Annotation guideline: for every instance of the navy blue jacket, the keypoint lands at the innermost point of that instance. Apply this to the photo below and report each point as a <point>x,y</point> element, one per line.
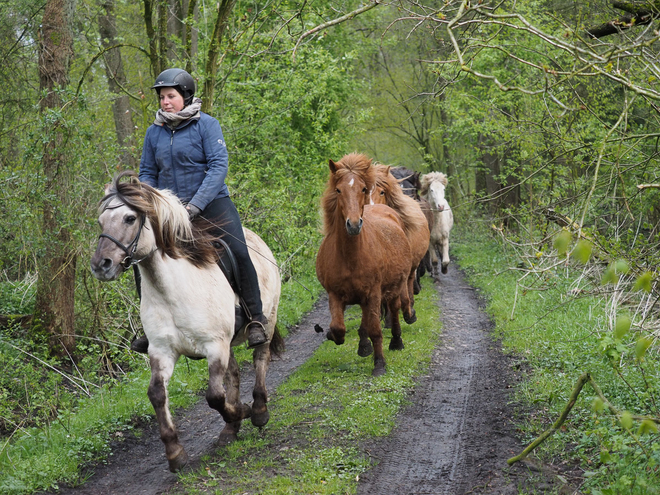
<point>191,160</point>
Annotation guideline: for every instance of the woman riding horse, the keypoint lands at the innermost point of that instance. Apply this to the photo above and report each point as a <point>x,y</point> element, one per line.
<point>184,151</point>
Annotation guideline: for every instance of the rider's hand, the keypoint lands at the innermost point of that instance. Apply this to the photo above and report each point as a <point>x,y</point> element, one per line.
<point>193,211</point>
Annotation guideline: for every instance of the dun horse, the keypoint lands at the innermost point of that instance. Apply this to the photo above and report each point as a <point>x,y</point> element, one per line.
<point>388,191</point>
<point>433,189</point>
<point>364,258</point>
<point>188,307</point>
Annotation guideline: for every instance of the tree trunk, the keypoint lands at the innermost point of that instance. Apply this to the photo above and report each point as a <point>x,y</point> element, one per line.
<point>190,35</point>
<point>54,309</point>
<point>175,22</point>
<point>224,10</point>
<point>114,70</point>
<point>151,36</point>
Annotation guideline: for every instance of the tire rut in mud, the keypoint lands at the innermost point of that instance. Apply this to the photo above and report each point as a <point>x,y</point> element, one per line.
<point>458,433</point>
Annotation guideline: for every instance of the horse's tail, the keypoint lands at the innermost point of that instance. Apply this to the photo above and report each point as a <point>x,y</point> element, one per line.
<point>277,343</point>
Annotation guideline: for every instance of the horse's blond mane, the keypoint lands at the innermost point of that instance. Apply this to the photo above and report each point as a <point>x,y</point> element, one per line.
<point>395,198</point>
<point>427,179</point>
<point>175,235</point>
<point>353,163</point>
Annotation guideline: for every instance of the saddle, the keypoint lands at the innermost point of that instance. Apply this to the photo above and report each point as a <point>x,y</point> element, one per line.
<point>229,266</point>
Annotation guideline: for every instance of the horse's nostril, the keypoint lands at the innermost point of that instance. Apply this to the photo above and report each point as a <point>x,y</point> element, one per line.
<point>107,263</point>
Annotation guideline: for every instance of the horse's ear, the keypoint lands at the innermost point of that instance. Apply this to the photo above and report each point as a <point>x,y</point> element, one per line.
<point>333,166</point>
<point>444,180</point>
<point>106,188</point>
<point>389,167</point>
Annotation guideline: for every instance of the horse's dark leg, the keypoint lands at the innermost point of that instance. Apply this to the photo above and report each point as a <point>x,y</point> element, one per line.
<point>371,322</point>
<point>337,331</point>
<point>161,372</point>
<point>261,359</point>
<point>406,304</point>
<point>216,397</point>
<point>232,377</point>
<point>417,286</point>
<point>396,344</point>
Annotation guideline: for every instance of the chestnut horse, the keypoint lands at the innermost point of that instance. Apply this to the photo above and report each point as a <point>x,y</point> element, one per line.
<point>433,188</point>
<point>364,258</point>
<point>388,191</point>
<point>188,307</point>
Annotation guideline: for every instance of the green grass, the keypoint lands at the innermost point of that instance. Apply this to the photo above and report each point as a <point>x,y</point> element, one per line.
<point>557,333</point>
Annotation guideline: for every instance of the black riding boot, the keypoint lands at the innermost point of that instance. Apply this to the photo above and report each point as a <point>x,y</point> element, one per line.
<point>257,331</point>
<point>140,345</point>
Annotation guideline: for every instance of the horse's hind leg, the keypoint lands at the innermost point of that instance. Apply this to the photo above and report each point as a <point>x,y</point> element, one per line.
<point>216,396</point>
<point>261,359</point>
<point>161,372</point>
<point>406,305</point>
<point>232,377</point>
<point>396,344</point>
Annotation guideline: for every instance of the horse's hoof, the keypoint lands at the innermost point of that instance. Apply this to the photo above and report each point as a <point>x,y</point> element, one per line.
<point>412,318</point>
<point>178,462</point>
<point>396,344</point>
<point>444,268</point>
<point>365,349</point>
<point>378,371</point>
<point>260,419</point>
<point>226,437</point>
<point>331,336</point>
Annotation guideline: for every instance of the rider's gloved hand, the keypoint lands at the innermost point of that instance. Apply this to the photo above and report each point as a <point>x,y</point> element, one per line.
<point>193,211</point>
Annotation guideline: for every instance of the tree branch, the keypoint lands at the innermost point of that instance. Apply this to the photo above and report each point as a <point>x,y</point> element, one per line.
<point>334,22</point>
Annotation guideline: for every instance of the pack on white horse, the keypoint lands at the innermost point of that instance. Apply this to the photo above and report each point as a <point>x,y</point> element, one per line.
<point>433,189</point>
<point>188,307</point>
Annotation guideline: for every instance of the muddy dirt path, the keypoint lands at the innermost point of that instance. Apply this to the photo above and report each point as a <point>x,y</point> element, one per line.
<point>454,438</point>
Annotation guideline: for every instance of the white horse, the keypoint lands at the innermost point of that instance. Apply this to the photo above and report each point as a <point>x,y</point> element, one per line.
<point>433,189</point>
<point>188,307</point>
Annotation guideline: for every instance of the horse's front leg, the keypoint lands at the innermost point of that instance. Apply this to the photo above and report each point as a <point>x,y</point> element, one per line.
<point>232,377</point>
<point>371,323</point>
<point>445,253</point>
<point>394,305</point>
<point>261,359</point>
<point>364,347</point>
<point>162,368</point>
<point>230,408</point>
<point>337,331</point>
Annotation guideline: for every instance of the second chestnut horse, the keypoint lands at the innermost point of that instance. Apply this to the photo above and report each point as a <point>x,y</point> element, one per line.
<point>364,258</point>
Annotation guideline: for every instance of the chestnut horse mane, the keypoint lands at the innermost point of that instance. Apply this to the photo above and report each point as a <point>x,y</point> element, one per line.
<point>175,235</point>
<point>353,163</point>
<point>407,208</point>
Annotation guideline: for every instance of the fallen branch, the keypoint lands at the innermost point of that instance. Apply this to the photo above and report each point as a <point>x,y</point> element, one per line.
<point>648,186</point>
<point>581,382</point>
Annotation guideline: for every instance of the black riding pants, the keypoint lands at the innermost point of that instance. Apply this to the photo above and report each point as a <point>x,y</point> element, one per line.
<point>226,224</point>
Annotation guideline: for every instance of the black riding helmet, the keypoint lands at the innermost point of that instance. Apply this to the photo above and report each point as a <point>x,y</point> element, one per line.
<point>178,79</point>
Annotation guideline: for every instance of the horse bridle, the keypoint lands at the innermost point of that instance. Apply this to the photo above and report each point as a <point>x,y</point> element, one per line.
<point>129,260</point>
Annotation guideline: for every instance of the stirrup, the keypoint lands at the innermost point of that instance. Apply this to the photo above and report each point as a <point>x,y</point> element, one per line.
<point>256,334</point>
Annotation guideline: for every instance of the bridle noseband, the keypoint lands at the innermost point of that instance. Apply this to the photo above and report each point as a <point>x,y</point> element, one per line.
<point>129,260</point>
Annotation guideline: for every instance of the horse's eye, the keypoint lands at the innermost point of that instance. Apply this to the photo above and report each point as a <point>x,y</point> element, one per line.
<point>382,193</point>
<point>338,191</point>
<point>364,190</point>
<point>130,220</point>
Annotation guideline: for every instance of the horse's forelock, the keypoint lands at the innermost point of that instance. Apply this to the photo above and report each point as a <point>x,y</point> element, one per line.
<point>358,164</point>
